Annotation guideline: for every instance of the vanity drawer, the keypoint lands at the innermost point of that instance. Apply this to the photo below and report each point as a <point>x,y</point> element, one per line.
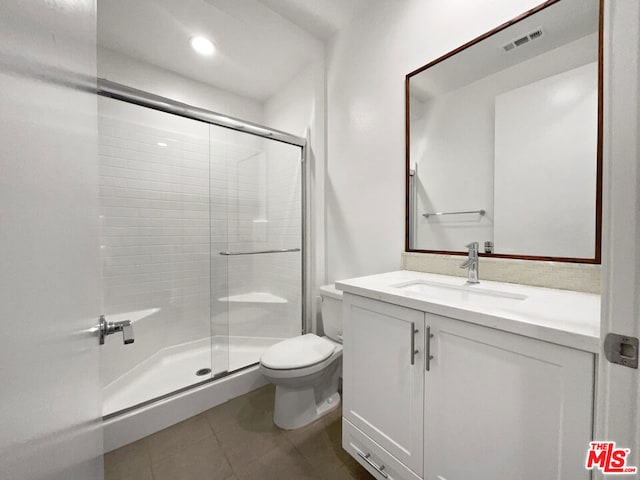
<point>381,464</point>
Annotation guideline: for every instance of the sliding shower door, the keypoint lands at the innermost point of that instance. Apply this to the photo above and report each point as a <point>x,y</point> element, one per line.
<point>256,247</point>
<point>154,196</point>
<point>201,242</point>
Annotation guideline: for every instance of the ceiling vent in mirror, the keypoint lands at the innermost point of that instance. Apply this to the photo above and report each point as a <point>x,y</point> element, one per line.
<point>518,42</point>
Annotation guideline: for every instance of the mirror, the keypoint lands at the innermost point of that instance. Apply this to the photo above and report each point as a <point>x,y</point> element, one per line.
<point>504,140</point>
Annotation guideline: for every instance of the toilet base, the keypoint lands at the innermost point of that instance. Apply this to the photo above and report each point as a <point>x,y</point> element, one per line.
<point>299,402</point>
<point>295,408</point>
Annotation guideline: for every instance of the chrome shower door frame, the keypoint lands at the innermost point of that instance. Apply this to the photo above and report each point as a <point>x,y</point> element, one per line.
<point>109,89</point>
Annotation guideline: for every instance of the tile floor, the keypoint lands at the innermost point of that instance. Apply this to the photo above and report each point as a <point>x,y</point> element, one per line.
<point>238,441</point>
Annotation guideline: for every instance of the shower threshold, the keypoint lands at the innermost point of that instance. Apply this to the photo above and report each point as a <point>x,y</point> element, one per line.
<point>175,368</point>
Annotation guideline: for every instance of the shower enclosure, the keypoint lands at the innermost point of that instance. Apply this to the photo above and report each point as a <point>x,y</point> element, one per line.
<point>201,240</point>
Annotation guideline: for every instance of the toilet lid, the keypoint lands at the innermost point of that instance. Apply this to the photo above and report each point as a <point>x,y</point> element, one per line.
<point>297,352</point>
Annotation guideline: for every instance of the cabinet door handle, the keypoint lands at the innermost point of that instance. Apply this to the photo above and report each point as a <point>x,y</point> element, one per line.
<point>370,462</point>
<point>427,349</point>
<point>413,343</point>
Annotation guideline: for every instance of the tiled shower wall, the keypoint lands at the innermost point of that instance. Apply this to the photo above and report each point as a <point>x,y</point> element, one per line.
<point>168,212</point>
<point>154,229</point>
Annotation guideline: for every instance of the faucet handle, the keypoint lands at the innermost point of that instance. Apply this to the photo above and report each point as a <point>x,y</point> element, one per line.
<point>109,328</point>
<point>473,246</point>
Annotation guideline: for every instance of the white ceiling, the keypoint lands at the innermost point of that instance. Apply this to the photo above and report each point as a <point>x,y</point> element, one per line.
<point>321,18</point>
<point>562,23</point>
<point>261,44</point>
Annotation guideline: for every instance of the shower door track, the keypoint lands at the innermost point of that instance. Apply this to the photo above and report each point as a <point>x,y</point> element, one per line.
<point>107,88</point>
<point>117,91</point>
<point>159,398</point>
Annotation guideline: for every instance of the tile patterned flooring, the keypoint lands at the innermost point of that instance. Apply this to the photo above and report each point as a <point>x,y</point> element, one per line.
<point>238,441</point>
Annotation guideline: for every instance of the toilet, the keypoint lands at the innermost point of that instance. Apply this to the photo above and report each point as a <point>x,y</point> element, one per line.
<point>306,370</point>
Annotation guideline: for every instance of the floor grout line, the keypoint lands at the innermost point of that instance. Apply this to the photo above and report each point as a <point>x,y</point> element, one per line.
<point>222,449</point>
<point>250,417</point>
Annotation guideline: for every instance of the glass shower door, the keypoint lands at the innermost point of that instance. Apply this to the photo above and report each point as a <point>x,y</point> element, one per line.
<point>201,241</point>
<point>257,193</point>
<point>154,198</point>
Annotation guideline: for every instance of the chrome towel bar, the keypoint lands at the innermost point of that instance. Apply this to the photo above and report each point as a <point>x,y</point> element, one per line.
<point>427,215</point>
<point>259,252</point>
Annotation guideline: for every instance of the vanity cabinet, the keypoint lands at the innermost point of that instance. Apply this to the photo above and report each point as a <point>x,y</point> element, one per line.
<point>383,379</point>
<point>504,406</point>
<point>488,405</point>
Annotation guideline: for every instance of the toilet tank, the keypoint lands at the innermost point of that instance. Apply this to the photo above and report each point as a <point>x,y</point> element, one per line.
<point>331,312</point>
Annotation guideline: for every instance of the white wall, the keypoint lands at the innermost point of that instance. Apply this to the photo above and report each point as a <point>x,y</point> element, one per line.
<point>546,136</point>
<point>299,108</point>
<point>366,66</point>
<point>135,73</point>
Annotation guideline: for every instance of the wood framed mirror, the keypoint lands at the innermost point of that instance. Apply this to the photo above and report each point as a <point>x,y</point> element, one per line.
<point>504,140</point>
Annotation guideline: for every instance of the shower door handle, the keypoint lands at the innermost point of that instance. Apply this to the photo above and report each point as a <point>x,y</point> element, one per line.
<point>109,328</point>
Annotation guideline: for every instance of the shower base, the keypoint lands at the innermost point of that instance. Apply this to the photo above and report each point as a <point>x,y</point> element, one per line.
<point>175,368</point>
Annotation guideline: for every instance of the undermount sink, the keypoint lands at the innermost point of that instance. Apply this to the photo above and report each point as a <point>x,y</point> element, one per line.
<point>462,291</point>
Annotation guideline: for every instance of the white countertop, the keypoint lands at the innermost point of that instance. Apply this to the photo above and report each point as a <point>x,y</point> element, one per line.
<point>563,317</point>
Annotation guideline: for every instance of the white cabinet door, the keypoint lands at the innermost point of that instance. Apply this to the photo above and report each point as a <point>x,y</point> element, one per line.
<point>383,388</point>
<point>503,406</point>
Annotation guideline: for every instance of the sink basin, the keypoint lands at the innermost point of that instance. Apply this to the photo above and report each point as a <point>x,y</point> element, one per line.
<point>462,292</point>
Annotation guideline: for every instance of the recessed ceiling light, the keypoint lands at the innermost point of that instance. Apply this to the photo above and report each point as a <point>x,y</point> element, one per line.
<point>202,45</point>
<point>162,144</point>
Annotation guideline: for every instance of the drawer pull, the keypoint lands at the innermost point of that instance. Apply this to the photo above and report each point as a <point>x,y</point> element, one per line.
<point>370,462</point>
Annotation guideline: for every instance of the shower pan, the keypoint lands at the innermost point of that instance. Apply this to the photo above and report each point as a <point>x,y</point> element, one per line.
<point>201,240</point>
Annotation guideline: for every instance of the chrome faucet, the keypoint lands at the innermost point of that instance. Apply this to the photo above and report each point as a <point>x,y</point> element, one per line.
<point>109,328</point>
<point>472,263</point>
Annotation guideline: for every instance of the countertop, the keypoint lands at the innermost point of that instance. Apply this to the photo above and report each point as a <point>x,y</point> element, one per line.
<point>562,317</point>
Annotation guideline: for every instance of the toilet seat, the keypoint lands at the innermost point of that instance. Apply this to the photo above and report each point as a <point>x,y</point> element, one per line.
<point>298,352</point>
<point>297,374</point>
<point>306,370</point>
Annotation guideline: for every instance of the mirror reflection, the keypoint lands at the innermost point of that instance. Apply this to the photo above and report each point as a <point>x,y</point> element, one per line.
<point>503,140</point>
